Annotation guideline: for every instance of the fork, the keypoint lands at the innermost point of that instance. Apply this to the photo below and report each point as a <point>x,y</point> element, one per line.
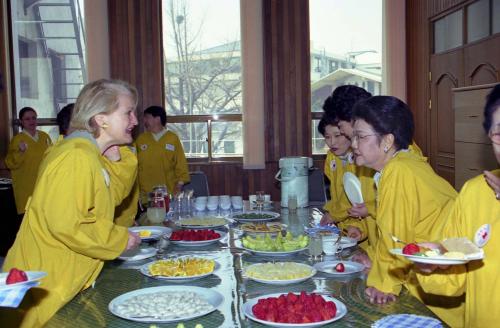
<point>397,240</point>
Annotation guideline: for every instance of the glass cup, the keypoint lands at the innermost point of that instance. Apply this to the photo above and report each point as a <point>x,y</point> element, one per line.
<point>156,208</point>
<point>259,200</point>
<point>292,203</point>
<point>315,246</point>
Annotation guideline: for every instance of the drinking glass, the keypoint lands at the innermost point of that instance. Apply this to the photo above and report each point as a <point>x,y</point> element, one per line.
<point>156,208</point>
<point>315,246</point>
<point>259,200</point>
<point>292,203</point>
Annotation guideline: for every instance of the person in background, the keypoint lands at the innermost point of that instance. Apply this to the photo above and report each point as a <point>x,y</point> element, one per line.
<point>475,215</point>
<point>160,154</point>
<point>63,118</point>
<point>413,201</point>
<point>357,219</point>
<point>126,212</point>
<point>24,156</point>
<point>68,229</point>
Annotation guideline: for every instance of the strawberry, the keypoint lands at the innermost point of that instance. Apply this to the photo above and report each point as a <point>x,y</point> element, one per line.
<point>411,249</point>
<point>15,276</point>
<point>340,267</point>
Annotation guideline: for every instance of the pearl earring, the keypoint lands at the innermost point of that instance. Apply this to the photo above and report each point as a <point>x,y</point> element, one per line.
<point>386,149</point>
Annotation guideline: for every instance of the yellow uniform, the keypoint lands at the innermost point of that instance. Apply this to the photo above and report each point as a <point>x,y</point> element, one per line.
<point>161,162</point>
<point>127,210</point>
<point>24,166</point>
<point>475,215</point>
<point>335,167</point>
<point>68,228</point>
<point>413,204</point>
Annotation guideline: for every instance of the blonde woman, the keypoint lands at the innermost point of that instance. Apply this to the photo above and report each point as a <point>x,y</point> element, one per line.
<point>24,156</point>
<point>68,228</point>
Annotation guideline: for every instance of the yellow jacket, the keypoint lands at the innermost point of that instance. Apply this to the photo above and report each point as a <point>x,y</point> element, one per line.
<point>24,166</point>
<point>127,210</point>
<point>335,167</point>
<point>161,162</point>
<point>68,228</point>
<point>475,207</point>
<point>413,204</point>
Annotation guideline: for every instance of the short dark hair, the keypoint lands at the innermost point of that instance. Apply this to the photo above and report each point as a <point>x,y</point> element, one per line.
<point>63,118</point>
<point>156,111</point>
<point>24,110</point>
<point>492,104</point>
<point>326,120</point>
<point>343,99</point>
<point>386,115</point>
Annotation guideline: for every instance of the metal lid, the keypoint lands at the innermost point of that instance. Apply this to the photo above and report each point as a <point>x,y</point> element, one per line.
<point>295,161</point>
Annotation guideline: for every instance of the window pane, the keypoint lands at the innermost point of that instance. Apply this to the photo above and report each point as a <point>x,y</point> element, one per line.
<point>478,20</point>
<point>352,56</point>
<point>202,62</point>
<point>227,139</point>
<point>51,130</point>
<point>49,54</point>
<point>496,16</point>
<point>448,32</point>
<point>193,137</point>
<point>319,145</point>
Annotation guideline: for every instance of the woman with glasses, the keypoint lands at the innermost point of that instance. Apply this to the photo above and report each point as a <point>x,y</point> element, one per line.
<point>413,201</point>
<point>475,215</point>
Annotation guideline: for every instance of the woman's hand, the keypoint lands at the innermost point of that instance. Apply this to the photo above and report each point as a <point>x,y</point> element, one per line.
<point>23,146</point>
<point>354,233</point>
<point>362,258</point>
<point>133,241</point>
<point>113,153</point>
<point>375,296</point>
<point>494,182</point>
<point>326,219</point>
<point>358,211</point>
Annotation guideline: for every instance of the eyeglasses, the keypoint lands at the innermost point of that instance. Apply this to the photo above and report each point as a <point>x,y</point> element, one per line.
<point>359,138</point>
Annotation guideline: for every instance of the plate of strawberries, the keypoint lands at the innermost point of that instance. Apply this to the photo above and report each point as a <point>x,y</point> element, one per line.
<point>15,278</point>
<point>294,310</point>
<point>193,237</point>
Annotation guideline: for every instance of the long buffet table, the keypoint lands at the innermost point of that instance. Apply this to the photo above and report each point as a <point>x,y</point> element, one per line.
<point>90,307</point>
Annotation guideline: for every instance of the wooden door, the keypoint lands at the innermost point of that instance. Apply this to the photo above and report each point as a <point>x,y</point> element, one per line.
<point>446,74</point>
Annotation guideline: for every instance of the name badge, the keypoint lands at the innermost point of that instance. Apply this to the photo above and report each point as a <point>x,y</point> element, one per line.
<point>143,147</point>
<point>333,165</point>
<point>170,147</point>
<point>482,235</point>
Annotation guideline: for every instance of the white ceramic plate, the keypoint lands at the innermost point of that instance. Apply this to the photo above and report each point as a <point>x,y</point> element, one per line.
<point>137,254</point>
<point>145,271</point>
<point>200,242</point>
<point>347,242</point>
<point>239,244</point>
<point>352,187</point>
<point>213,297</point>
<point>32,276</point>
<point>202,226</point>
<point>247,310</point>
<point>241,216</point>
<point>281,282</point>
<point>156,231</point>
<point>329,267</point>
<point>441,260</point>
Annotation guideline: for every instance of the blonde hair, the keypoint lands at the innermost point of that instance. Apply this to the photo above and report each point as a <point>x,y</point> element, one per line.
<point>98,97</point>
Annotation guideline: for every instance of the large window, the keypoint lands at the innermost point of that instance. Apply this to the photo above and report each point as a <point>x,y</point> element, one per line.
<point>48,56</point>
<point>346,48</point>
<point>202,76</point>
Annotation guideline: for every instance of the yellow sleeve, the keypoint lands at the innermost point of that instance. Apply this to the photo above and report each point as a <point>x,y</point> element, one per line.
<point>123,174</point>
<point>79,225</point>
<point>181,166</point>
<point>15,157</point>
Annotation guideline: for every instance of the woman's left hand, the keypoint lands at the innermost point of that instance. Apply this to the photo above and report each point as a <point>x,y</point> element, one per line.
<point>375,296</point>
<point>358,211</point>
<point>113,153</point>
<point>494,183</point>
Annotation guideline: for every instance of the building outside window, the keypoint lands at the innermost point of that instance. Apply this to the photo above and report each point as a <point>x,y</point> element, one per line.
<point>347,44</point>
<point>202,76</point>
<point>48,56</point>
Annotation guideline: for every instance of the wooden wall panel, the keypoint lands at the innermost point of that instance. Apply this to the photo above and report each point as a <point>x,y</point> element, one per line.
<point>438,6</point>
<point>482,62</point>
<point>135,48</point>
<point>5,109</point>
